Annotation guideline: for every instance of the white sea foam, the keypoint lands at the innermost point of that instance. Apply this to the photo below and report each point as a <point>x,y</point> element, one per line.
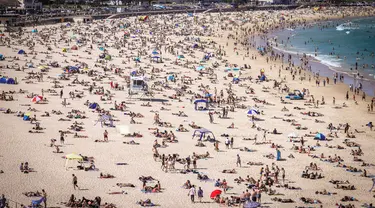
<point>346,26</point>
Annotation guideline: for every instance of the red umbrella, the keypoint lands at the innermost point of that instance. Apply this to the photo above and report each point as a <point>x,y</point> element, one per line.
<point>215,193</point>
<point>37,98</point>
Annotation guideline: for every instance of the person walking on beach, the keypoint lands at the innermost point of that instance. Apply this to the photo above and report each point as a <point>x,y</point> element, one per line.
<point>62,137</point>
<point>373,184</point>
<point>238,160</point>
<point>75,182</point>
<point>61,94</point>
<point>283,175</point>
<point>192,193</point>
<point>105,134</point>
<point>231,142</point>
<point>44,194</point>
<point>211,117</point>
<point>200,194</point>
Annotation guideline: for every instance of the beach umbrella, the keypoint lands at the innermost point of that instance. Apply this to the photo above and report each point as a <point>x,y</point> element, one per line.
<point>101,48</point>
<point>21,52</point>
<point>200,68</point>
<point>292,135</point>
<point>215,193</point>
<point>155,52</point>
<point>156,57</point>
<point>36,99</point>
<point>108,57</point>
<point>123,129</point>
<point>1,56</point>
<point>251,205</point>
<point>236,69</point>
<point>252,112</point>
<point>74,47</point>
<point>180,56</point>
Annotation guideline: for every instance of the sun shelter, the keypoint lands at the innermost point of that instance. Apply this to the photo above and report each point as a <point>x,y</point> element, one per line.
<point>106,120</point>
<point>108,57</point>
<point>252,112</point>
<point>200,68</point>
<point>21,52</point>
<point>93,105</point>
<point>196,103</point>
<point>3,80</point>
<point>71,157</point>
<point>2,57</point>
<point>74,47</point>
<point>64,50</point>
<point>34,30</point>
<point>320,136</point>
<point>137,84</point>
<point>11,81</point>
<point>202,133</point>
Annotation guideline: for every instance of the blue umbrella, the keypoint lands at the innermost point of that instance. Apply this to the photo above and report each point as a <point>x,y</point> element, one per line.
<point>156,57</point>
<point>101,48</point>
<point>21,52</point>
<point>180,56</point>
<point>236,69</point>
<point>155,52</point>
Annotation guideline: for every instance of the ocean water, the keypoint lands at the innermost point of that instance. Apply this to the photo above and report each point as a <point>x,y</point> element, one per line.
<point>345,46</point>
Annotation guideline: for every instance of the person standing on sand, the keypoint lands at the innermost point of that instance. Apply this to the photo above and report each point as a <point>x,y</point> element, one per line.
<point>75,182</point>
<point>373,184</point>
<point>62,139</point>
<point>200,194</point>
<point>61,94</point>
<point>238,160</point>
<point>192,193</point>
<point>44,194</point>
<point>347,95</point>
<point>105,136</point>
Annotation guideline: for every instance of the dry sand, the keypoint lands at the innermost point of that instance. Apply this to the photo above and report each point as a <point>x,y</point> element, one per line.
<point>17,145</point>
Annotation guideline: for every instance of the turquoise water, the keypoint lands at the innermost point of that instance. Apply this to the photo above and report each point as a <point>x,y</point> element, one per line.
<point>337,44</point>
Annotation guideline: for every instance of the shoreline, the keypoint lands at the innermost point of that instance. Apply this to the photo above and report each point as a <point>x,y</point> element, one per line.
<point>323,69</point>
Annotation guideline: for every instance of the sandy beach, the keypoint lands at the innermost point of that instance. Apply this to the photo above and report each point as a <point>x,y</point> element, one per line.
<point>160,80</point>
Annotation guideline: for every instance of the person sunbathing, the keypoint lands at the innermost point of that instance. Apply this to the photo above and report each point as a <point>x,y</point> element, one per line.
<point>146,104</point>
<point>202,177</point>
<point>325,192</point>
<point>132,142</point>
<point>343,187</point>
<point>133,135</point>
<point>32,194</point>
<point>106,175</point>
<point>282,200</point>
<point>79,136</point>
<point>255,163</point>
<point>181,128</point>
<point>232,171</point>
<point>239,180</point>
<point>310,201</point>
<point>145,203</point>
<point>122,185</point>
<point>194,126</point>
<point>348,198</point>
<point>231,126</point>
<point>35,132</point>
<point>245,149</point>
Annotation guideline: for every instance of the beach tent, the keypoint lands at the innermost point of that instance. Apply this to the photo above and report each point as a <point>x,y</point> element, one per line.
<point>236,69</point>
<point>36,99</point>
<point>195,45</point>
<point>180,56</point>
<point>196,102</point>
<point>3,80</point>
<point>64,50</point>
<point>21,52</point>
<point>320,136</point>
<point>11,81</point>
<point>108,57</point>
<point>101,48</point>
<point>137,59</point>
<point>34,30</point>
<point>72,156</point>
<point>2,57</point>
<point>155,52</point>
<point>106,120</point>
<point>215,193</point>
<point>203,132</point>
<point>74,47</point>
<point>26,116</point>
<point>93,105</point>
<point>252,112</point>
<point>278,155</point>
